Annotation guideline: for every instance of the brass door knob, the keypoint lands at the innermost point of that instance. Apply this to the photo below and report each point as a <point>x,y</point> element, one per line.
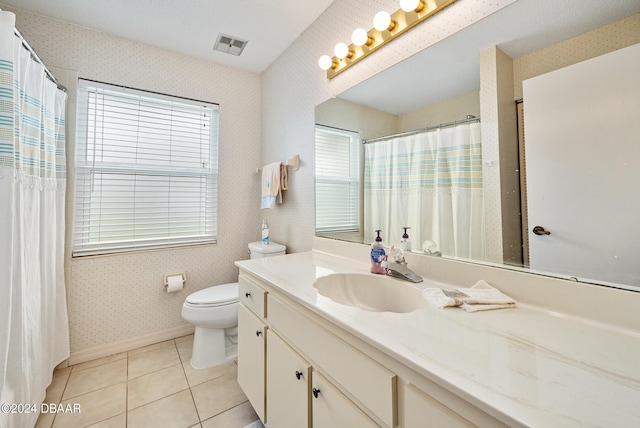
<point>539,230</point>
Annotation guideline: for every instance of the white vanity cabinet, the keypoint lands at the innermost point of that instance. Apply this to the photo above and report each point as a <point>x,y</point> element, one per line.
<point>299,397</point>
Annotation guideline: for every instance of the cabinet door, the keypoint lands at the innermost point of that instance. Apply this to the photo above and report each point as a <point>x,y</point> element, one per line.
<point>251,358</point>
<point>331,409</point>
<point>422,411</point>
<point>288,385</point>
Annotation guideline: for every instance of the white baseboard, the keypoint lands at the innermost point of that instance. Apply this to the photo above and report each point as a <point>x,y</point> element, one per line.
<point>130,344</point>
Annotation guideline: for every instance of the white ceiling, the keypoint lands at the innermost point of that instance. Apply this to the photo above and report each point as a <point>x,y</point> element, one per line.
<point>451,67</point>
<point>191,27</point>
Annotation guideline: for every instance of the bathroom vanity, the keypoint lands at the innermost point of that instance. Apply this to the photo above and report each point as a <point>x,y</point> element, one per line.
<point>306,360</point>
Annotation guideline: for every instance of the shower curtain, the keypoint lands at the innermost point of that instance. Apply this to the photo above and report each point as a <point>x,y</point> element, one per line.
<point>432,183</point>
<point>34,333</point>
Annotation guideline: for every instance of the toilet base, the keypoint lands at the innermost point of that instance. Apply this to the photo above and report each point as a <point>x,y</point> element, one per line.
<point>211,348</point>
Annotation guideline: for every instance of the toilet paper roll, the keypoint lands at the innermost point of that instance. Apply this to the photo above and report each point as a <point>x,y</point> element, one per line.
<point>174,283</point>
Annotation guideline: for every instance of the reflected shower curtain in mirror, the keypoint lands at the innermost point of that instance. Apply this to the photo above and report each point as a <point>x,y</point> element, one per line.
<point>34,332</point>
<point>432,183</point>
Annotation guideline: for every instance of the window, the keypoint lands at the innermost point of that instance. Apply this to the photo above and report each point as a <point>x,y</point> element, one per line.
<point>337,180</point>
<point>146,170</point>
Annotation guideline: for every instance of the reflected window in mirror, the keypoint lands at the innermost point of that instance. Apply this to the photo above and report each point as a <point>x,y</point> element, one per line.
<point>337,177</point>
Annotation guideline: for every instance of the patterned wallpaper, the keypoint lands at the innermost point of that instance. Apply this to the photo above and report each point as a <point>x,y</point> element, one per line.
<point>617,35</point>
<point>114,299</point>
<point>264,118</point>
<point>118,298</point>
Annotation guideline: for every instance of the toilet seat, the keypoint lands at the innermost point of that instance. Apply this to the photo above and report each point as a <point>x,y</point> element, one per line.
<point>219,295</point>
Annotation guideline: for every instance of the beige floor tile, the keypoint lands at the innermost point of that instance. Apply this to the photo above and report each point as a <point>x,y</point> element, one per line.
<point>94,378</point>
<point>95,407</point>
<point>119,421</point>
<point>58,383</point>
<point>185,349</point>
<point>152,347</point>
<point>45,420</point>
<point>153,360</point>
<point>176,410</point>
<point>154,386</point>
<point>99,361</point>
<point>198,376</point>
<point>239,416</point>
<point>217,395</point>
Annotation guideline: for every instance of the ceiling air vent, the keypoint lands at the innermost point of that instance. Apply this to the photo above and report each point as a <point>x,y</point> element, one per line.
<point>230,44</point>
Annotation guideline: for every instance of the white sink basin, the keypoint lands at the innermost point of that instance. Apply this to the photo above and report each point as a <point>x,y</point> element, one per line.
<point>371,292</point>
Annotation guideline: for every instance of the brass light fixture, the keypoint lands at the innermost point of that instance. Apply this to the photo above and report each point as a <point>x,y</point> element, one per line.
<point>386,28</point>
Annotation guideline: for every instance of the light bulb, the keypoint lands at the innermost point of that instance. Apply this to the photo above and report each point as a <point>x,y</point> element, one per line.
<point>360,37</point>
<point>382,21</point>
<point>411,5</point>
<point>341,50</point>
<point>325,62</point>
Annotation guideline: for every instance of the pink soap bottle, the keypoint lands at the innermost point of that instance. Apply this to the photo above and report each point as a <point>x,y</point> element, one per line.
<point>377,255</point>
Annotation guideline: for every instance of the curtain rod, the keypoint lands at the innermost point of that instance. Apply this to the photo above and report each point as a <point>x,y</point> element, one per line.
<point>470,118</point>
<point>35,56</point>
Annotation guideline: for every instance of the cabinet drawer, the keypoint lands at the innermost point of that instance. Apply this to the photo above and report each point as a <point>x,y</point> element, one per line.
<point>252,296</point>
<point>370,383</point>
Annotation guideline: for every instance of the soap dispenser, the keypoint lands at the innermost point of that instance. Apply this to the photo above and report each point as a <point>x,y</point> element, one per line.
<point>378,255</point>
<point>405,244</point>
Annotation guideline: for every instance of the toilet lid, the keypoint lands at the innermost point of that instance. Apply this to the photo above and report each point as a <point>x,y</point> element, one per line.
<point>216,295</point>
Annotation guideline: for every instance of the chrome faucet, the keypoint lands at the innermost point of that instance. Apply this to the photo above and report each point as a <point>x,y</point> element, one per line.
<point>400,270</point>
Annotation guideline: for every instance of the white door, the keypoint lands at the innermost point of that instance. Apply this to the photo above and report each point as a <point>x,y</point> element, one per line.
<point>582,145</point>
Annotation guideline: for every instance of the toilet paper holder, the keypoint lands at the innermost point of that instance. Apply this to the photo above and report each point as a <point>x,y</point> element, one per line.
<point>182,275</point>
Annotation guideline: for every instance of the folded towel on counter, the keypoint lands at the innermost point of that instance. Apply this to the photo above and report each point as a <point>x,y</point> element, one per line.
<point>480,297</point>
<point>271,185</point>
<point>440,298</point>
<point>484,294</point>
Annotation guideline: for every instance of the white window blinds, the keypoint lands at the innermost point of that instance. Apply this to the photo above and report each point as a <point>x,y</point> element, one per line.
<point>337,180</point>
<point>146,170</point>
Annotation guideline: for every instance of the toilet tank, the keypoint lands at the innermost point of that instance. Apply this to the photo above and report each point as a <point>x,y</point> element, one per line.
<point>259,250</point>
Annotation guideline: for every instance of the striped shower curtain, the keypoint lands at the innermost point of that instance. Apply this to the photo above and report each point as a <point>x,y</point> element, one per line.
<point>34,333</point>
<point>432,183</point>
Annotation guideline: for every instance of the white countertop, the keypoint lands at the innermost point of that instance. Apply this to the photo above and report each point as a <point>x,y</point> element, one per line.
<point>524,365</point>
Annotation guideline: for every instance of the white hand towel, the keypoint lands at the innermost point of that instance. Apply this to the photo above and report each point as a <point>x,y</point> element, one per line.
<point>270,185</point>
<point>438,298</point>
<point>480,297</point>
<point>476,308</point>
<point>484,294</point>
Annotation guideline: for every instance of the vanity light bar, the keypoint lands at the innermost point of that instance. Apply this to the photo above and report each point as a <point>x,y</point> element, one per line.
<point>400,23</point>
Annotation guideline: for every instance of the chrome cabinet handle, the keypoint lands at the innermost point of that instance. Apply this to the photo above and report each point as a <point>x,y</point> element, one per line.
<point>539,230</point>
<point>316,392</point>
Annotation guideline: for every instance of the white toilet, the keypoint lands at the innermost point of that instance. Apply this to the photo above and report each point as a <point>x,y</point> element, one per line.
<point>214,312</point>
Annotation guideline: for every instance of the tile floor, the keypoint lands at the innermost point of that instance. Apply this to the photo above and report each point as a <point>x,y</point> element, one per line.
<point>154,386</point>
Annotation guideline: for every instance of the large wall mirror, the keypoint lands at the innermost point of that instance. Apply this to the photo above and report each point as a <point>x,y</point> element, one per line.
<point>483,83</point>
